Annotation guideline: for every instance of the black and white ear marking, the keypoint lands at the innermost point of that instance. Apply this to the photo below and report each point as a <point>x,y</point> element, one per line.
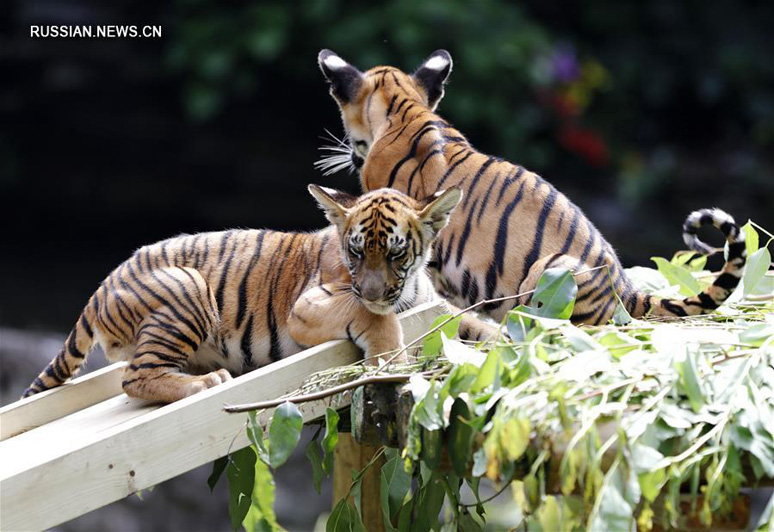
<point>334,202</point>
<point>345,79</point>
<point>432,74</point>
<point>439,207</point>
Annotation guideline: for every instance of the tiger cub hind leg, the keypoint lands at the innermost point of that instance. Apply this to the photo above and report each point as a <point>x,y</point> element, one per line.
<point>332,312</point>
<point>148,378</point>
<point>182,315</point>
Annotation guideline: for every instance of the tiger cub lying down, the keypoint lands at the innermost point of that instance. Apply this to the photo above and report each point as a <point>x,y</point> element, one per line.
<point>189,312</point>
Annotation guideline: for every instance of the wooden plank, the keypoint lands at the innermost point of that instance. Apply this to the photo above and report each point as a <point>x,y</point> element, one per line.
<point>103,453</point>
<point>58,402</point>
<point>351,455</point>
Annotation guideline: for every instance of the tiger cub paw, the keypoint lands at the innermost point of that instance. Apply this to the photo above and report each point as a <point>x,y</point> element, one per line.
<point>477,330</point>
<point>373,355</point>
<point>207,381</point>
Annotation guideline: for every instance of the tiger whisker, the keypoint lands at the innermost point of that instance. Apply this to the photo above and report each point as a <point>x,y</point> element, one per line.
<point>339,156</point>
<point>340,141</point>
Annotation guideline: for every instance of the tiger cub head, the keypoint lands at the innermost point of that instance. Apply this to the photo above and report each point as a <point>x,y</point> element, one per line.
<point>367,99</point>
<point>386,238</point>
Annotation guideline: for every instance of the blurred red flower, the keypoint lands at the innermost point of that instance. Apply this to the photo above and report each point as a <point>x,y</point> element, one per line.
<point>585,143</point>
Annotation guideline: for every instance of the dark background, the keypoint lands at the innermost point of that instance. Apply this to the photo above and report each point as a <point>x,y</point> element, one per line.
<point>639,111</point>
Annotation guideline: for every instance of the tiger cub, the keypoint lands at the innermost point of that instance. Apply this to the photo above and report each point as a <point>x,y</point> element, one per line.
<point>512,224</point>
<point>189,312</point>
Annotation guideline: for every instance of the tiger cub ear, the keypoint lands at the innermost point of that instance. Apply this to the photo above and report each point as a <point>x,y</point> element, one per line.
<point>335,203</point>
<point>432,75</point>
<point>439,207</point>
<point>345,79</point>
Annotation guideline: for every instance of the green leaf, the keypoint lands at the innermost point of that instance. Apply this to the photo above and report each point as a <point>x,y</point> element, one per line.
<point>218,467</point>
<point>432,446</point>
<point>754,442</point>
<point>284,433</point>
<point>750,238</point>
<point>689,379</point>
<point>474,484</point>
<point>432,344</point>
<point>522,371</point>
<point>314,454</point>
<point>458,353</point>
<point>395,484</point>
<point>428,411</point>
<point>648,280</point>
<point>489,374</point>
<point>518,325</point>
<point>460,379</point>
<point>404,518</point>
<point>615,513</point>
<point>542,322</point>
<point>460,436</point>
<point>467,523</point>
<point>621,316</point>
<point>429,502</point>
<point>549,514</point>
<point>674,416</point>
<point>645,458</point>
<point>331,438</point>
<point>555,293</point>
<point>515,437</point>
<point>255,435</point>
<point>356,489</point>
<point>693,261</point>
<point>241,477</point>
<point>579,339</point>
<point>757,334</point>
<point>651,483</point>
<point>757,265</point>
<point>479,463</point>
<point>260,517</point>
<point>678,275</point>
<point>618,343</point>
<point>344,518</point>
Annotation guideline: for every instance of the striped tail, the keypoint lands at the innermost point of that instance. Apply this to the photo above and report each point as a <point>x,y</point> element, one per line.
<point>72,356</point>
<point>728,279</point>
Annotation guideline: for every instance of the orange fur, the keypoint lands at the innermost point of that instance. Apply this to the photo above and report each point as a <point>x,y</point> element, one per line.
<point>189,312</point>
<point>512,224</point>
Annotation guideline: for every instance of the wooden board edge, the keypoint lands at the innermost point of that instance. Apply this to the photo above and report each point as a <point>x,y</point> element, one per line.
<point>56,403</point>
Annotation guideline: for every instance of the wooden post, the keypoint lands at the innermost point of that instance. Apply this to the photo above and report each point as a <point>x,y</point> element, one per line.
<point>351,455</point>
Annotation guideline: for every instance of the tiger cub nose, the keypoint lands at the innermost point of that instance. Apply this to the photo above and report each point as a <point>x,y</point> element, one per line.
<point>372,291</point>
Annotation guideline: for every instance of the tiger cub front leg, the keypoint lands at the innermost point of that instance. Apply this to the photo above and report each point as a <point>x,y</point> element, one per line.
<point>332,312</point>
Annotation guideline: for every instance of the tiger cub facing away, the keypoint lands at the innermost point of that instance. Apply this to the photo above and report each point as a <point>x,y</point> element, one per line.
<point>189,312</point>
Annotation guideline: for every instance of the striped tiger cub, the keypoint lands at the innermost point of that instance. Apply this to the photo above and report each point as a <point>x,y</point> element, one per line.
<point>512,224</point>
<point>189,312</point>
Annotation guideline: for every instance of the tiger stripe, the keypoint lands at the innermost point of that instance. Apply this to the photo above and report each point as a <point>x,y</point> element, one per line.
<point>522,223</point>
<point>189,311</point>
